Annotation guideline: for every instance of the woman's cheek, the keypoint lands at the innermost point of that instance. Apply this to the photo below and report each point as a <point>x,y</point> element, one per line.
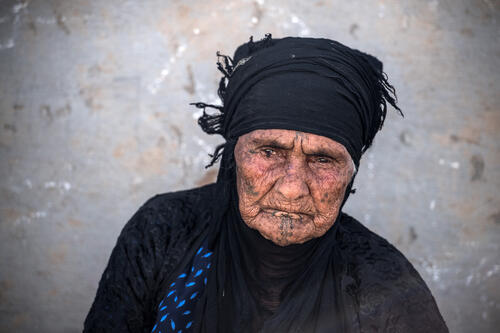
<point>252,180</point>
<point>262,169</point>
<point>329,188</point>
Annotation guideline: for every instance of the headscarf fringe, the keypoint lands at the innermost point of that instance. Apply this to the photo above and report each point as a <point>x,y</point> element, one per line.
<point>387,94</point>
<point>210,123</point>
<point>261,44</point>
<point>226,66</point>
<point>216,155</point>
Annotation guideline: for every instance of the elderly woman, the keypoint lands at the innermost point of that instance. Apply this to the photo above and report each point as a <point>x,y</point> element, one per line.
<point>267,248</point>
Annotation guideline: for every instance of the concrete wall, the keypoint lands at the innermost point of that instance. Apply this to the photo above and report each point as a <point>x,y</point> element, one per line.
<point>94,119</point>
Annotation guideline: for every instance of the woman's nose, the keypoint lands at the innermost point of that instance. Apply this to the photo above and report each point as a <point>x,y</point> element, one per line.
<point>293,184</point>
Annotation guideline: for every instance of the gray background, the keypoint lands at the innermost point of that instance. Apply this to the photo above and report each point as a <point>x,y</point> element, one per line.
<point>95,119</point>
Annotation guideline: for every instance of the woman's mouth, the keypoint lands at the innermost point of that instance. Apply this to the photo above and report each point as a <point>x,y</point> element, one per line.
<point>283,213</point>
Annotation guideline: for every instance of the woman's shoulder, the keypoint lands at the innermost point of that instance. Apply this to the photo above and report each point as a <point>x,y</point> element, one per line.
<point>375,258</point>
<point>174,210</point>
<point>356,237</point>
<point>166,222</point>
<point>388,288</point>
<point>145,255</point>
<point>177,200</point>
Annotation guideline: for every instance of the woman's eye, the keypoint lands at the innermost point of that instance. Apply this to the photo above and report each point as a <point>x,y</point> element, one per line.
<point>268,152</point>
<point>322,159</point>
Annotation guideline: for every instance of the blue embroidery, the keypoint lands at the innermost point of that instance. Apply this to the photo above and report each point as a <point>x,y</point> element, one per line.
<point>180,313</point>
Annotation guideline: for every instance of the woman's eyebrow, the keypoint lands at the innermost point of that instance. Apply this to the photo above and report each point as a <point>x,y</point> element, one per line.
<point>271,143</point>
<point>321,151</point>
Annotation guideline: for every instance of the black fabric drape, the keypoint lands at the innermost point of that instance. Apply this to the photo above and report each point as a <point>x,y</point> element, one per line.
<point>258,286</point>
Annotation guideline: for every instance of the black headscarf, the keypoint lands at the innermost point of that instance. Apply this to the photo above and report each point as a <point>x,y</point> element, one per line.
<point>312,85</point>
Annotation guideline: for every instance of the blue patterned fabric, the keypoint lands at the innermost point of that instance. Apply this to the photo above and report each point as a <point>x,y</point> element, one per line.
<point>176,310</point>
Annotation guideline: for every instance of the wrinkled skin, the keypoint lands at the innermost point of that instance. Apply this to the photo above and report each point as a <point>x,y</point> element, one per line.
<point>290,184</point>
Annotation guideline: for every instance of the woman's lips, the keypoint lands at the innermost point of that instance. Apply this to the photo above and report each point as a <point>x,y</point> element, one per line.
<point>283,213</point>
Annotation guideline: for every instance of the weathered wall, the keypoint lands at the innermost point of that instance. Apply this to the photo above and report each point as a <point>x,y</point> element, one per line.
<point>94,120</point>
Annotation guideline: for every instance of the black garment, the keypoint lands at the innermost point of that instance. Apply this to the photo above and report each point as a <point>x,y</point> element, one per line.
<point>386,293</point>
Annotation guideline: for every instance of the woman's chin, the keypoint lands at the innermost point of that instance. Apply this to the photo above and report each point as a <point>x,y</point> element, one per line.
<point>283,229</point>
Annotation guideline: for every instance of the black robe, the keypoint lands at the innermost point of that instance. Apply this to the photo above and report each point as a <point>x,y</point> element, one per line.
<point>387,293</point>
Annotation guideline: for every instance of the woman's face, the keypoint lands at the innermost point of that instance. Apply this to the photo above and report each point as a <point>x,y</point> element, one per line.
<point>290,184</point>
